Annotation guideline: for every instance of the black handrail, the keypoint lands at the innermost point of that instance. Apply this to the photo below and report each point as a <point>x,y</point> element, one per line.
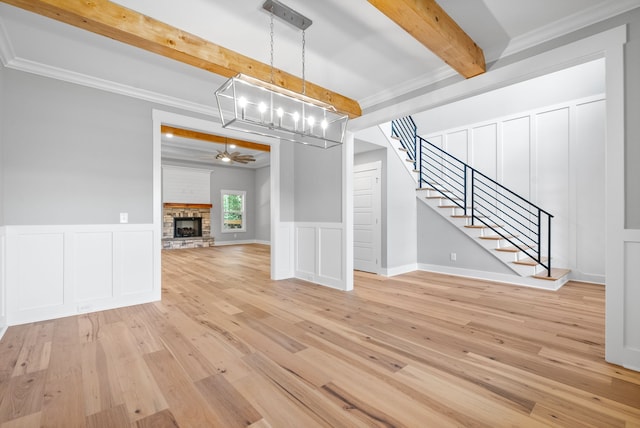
<point>521,221</point>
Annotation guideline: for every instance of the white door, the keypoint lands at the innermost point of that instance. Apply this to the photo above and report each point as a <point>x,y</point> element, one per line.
<point>367,227</point>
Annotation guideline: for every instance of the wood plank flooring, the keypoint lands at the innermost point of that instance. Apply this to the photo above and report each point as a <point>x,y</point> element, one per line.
<point>228,347</point>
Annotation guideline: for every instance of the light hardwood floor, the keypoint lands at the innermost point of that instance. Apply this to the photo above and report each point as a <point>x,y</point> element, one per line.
<point>227,347</point>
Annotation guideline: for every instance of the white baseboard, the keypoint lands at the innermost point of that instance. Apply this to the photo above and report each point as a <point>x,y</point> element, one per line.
<point>496,277</point>
<point>3,330</point>
<point>240,242</point>
<point>399,270</point>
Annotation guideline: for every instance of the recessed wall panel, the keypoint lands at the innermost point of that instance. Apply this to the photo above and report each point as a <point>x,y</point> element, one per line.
<point>306,250</point>
<point>631,295</point>
<point>589,153</point>
<point>484,149</point>
<point>135,257</point>
<point>93,266</point>
<point>330,263</point>
<point>40,271</point>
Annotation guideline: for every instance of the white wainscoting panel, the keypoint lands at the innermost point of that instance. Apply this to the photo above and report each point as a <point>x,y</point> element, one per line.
<point>319,254</point>
<point>330,247</point>
<point>93,271</point>
<point>632,295</point>
<point>134,258</point>
<point>282,258</point>
<point>485,149</point>
<point>555,157</point>
<point>457,144</point>
<point>40,271</point>
<point>306,249</point>
<point>587,153</point>
<point>516,140</point>
<point>57,271</point>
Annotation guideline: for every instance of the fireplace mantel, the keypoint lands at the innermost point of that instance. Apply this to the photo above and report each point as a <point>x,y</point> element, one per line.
<point>183,205</point>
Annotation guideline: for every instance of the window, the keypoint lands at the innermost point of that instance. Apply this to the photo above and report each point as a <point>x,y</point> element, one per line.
<point>233,219</point>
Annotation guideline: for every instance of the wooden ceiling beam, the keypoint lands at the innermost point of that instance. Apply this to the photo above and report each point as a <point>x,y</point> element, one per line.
<point>212,138</point>
<point>127,26</point>
<point>428,23</point>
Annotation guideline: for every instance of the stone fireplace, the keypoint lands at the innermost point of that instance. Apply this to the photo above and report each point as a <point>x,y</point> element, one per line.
<point>186,226</point>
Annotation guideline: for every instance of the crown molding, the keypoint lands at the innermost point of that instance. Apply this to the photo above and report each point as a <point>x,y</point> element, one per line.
<point>569,24</point>
<point>40,69</point>
<point>408,86</point>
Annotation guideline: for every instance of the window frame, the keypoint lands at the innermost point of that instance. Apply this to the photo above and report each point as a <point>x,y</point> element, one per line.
<point>243,212</point>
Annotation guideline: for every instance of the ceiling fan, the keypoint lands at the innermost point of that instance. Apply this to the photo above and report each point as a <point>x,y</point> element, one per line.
<point>234,157</point>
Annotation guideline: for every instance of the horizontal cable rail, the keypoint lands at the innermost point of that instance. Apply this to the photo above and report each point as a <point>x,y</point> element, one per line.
<point>510,216</point>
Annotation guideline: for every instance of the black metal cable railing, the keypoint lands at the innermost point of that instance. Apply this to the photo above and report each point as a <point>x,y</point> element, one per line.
<point>510,216</point>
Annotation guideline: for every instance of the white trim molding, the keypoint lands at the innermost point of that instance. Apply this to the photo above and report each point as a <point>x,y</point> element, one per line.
<point>495,277</point>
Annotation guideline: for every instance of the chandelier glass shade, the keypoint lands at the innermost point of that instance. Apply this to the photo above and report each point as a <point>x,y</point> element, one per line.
<point>251,105</point>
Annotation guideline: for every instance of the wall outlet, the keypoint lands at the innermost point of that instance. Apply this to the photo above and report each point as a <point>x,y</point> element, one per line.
<point>453,257</point>
<point>124,217</point>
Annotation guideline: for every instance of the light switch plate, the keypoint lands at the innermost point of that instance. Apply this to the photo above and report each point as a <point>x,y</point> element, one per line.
<point>124,217</point>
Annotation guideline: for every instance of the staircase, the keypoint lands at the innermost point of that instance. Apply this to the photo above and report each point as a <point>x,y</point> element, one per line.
<point>511,228</point>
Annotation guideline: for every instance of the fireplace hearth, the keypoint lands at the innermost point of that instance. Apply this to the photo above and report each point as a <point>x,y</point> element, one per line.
<point>187,227</point>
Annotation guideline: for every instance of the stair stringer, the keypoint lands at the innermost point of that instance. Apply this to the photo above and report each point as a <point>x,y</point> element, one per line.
<point>397,148</point>
<point>519,275</point>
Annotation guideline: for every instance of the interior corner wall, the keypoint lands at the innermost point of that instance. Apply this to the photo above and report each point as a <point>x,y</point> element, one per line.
<point>76,155</point>
<point>242,179</point>
<point>318,184</point>
<point>263,204</point>
<point>402,245</point>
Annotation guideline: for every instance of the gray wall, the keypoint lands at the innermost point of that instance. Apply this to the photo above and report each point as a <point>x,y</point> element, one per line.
<point>318,184</point>
<point>263,204</point>
<point>233,179</point>
<point>438,238</point>
<point>632,124</point>
<point>79,155</point>
<point>2,78</point>
<point>287,178</point>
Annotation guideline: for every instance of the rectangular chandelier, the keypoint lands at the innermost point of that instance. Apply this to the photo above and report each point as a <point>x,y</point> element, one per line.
<point>251,105</point>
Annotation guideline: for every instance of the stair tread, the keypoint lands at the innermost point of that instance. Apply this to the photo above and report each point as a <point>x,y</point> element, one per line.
<point>443,197</point>
<point>556,273</point>
<point>466,216</point>
<point>496,237</point>
<point>529,261</point>
<point>402,149</point>
<point>511,249</point>
<point>482,226</point>
<point>395,137</point>
<point>452,206</point>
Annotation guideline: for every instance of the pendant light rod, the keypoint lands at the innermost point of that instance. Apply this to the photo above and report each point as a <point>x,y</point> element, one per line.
<point>287,14</point>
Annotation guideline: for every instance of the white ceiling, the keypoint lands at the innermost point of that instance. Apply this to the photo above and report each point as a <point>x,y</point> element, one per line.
<point>352,48</point>
<point>203,153</point>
